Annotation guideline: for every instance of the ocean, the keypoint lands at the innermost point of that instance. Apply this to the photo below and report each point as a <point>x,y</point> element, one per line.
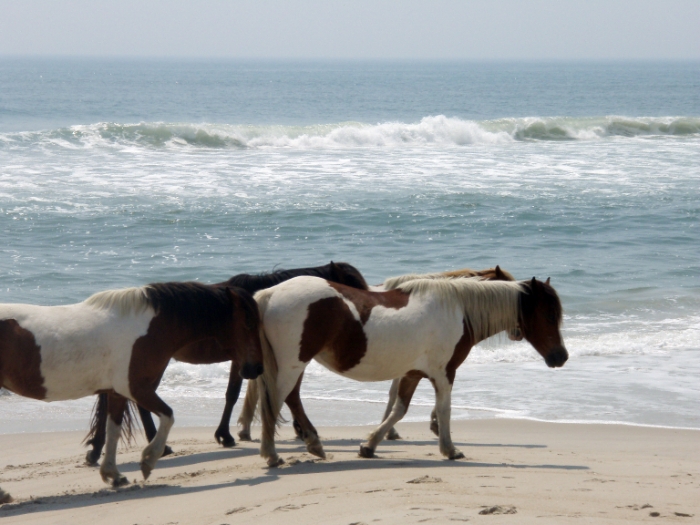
<point>118,173</point>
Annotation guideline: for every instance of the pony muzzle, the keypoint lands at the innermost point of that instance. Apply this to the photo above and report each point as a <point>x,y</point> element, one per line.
<point>557,357</point>
<point>251,371</point>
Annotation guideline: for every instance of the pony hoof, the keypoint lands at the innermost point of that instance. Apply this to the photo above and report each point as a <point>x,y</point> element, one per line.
<point>228,442</point>
<point>167,451</point>
<point>393,435</point>
<point>456,455</point>
<point>275,462</point>
<point>244,436</point>
<point>435,428</point>
<point>146,469</point>
<point>119,481</point>
<point>90,458</point>
<point>225,439</point>
<point>366,452</point>
<point>317,450</point>
<point>5,497</point>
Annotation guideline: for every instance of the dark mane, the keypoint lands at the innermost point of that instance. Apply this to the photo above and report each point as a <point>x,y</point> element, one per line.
<point>341,272</point>
<point>200,306</point>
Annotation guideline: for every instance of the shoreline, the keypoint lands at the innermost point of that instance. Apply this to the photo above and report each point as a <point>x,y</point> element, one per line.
<point>67,416</point>
<point>411,421</point>
<point>545,472</point>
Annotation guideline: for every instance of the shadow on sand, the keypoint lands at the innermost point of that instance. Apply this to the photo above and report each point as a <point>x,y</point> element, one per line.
<point>387,443</point>
<point>155,490</point>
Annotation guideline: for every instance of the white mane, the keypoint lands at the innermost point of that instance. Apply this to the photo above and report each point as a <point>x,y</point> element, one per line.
<point>125,300</point>
<point>394,282</point>
<point>489,306</point>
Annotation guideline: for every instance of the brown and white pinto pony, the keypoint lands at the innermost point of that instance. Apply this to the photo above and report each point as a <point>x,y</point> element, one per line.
<point>339,272</point>
<point>303,427</point>
<point>423,328</point>
<point>120,342</point>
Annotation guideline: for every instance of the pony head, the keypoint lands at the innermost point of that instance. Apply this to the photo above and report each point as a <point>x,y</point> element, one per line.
<point>347,274</point>
<point>245,333</point>
<point>540,319</point>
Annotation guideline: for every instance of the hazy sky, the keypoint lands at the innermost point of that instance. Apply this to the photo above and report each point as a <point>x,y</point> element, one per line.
<point>354,29</point>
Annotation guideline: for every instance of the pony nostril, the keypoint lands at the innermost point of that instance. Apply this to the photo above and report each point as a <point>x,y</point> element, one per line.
<point>259,369</point>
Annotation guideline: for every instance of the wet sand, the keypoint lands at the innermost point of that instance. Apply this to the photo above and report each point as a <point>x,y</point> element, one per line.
<point>514,472</point>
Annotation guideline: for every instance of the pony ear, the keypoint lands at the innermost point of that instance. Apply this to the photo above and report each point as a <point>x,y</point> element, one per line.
<point>499,273</point>
<point>232,295</point>
<point>533,282</point>
<point>547,281</point>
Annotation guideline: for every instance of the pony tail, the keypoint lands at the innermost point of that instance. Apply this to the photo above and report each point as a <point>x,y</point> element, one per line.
<point>267,385</point>
<point>250,404</point>
<point>127,430</point>
<point>267,382</point>
<point>97,420</point>
<point>99,417</point>
<point>269,401</point>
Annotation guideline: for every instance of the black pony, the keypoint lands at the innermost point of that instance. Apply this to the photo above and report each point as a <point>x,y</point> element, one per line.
<point>342,273</point>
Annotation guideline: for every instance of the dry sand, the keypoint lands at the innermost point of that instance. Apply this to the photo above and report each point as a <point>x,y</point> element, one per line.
<point>518,471</point>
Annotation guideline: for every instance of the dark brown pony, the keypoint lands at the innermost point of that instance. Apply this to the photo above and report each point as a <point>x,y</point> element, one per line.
<point>341,272</point>
<point>119,343</point>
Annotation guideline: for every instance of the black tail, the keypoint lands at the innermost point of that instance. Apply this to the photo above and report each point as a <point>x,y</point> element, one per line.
<point>128,423</point>
<point>99,421</point>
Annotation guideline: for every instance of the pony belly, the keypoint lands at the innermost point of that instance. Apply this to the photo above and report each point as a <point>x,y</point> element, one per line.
<point>373,369</point>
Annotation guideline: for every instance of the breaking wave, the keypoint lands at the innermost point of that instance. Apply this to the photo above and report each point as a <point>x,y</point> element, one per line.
<point>433,130</point>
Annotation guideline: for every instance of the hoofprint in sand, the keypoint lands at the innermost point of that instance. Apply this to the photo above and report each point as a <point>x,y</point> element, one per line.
<point>543,472</point>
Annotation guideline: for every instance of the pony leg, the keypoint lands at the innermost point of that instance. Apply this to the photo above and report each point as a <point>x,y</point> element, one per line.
<point>434,425</point>
<point>305,430</point>
<point>298,429</point>
<point>248,411</point>
<point>223,434</point>
<point>97,431</point>
<point>116,405</point>
<point>5,497</point>
<point>154,450</point>
<point>149,427</point>
<point>407,386</point>
<point>393,392</point>
<point>443,406</point>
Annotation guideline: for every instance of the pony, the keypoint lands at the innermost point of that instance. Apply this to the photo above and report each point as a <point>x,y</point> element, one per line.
<point>340,272</point>
<point>303,427</point>
<point>119,342</point>
<point>422,328</point>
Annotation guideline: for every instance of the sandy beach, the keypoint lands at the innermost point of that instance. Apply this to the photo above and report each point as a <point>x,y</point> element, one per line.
<point>515,472</point>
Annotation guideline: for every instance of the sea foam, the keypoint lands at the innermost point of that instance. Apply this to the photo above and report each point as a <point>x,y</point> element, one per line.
<point>429,131</point>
